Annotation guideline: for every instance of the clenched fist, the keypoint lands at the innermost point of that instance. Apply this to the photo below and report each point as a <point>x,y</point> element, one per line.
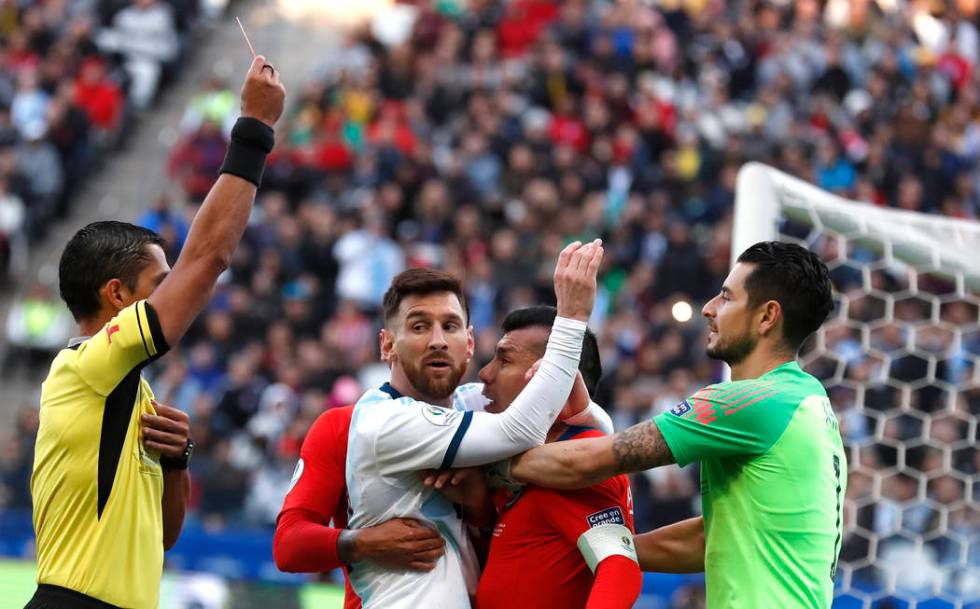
<point>263,95</point>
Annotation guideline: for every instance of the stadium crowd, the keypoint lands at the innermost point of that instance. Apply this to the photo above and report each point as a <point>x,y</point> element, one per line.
<point>482,140</point>
<point>74,75</point>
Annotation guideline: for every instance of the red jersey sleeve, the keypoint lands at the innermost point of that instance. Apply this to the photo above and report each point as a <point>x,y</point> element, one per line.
<point>304,541</point>
<point>617,579</point>
<point>618,582</point>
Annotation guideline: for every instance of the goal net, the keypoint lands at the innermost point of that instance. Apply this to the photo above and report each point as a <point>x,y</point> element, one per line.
<point>900,358</point>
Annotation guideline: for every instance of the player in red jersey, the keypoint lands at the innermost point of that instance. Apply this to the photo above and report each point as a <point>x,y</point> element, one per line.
<point>305,541</point>
<point>314,515</point>
<point>549,548</point>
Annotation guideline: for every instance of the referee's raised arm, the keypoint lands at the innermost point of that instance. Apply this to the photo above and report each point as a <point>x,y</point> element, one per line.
<point>220,222</point>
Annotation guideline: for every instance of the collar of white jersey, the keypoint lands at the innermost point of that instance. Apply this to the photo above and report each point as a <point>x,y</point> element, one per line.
<point>394,393</point>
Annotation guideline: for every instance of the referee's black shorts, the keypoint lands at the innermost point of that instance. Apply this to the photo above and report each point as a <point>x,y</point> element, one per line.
<point>56,597</point>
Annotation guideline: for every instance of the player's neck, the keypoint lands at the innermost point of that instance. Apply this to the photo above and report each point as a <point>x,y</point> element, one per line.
<point>759,362</point>
<point>91,325</point>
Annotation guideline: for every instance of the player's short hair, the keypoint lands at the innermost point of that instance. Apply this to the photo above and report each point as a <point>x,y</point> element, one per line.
<point>794,277</point>
<point>97,253</point>
<point>589,364</point>
<point>421,282</point>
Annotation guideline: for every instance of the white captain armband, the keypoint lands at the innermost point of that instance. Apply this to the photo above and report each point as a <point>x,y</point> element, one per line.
<point>601,542</point>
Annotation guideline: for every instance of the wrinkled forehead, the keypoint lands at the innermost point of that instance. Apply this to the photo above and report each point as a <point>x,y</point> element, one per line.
<point>437,306</point>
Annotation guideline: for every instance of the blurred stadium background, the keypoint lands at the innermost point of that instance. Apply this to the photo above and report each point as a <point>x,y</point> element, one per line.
<point>480,136</point>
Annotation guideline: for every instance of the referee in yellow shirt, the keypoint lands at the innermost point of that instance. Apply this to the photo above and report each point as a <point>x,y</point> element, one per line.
<point>110,480</point>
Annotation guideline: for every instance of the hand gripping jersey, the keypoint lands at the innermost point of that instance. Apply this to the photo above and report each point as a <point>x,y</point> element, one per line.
<point>534,560</point>
<point>773,477</point>
<point>318,497</point>
<point>393,437</point>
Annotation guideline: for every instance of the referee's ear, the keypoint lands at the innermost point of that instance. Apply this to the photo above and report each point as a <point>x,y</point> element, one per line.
<point>115,296</point>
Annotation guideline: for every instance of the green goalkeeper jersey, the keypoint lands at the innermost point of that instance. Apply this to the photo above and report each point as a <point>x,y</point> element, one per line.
<point>773,475</point>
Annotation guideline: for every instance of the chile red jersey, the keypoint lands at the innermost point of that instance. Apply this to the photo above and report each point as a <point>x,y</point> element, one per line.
<point>534,561</point>
<point>319,492</point>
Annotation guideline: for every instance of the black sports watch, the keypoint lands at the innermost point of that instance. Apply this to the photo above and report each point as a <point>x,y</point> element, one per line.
<point>180,462</point>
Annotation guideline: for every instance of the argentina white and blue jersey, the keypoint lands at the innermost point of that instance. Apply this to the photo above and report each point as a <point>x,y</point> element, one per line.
<point>393,437</point>
<point>383,482</point>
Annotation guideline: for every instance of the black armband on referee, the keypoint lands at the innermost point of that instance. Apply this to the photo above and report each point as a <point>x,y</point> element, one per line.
<point>251,141</point>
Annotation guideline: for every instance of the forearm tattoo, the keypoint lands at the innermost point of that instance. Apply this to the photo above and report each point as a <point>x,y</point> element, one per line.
<point>641,447</point>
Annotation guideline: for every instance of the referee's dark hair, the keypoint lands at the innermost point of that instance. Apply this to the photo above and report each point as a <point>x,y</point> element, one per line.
<point>794,277</point>
<point>97,253</point>
<point>544,316</point>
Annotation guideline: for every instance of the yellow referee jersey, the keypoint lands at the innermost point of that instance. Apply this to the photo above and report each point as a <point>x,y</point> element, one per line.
<point>97,491</point>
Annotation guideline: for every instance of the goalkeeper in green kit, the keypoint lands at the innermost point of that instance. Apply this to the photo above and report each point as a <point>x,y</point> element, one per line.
<point>773,471</point>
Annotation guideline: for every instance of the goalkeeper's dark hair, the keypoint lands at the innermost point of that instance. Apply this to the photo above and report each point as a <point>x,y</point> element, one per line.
<point>543,316</point>
<point>794,277</point>
<point>98,253</point>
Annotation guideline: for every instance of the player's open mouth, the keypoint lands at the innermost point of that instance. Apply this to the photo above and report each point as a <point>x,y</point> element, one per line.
<point>437,365</point>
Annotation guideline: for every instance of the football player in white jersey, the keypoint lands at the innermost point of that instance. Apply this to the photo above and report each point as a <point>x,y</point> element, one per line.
<point>410,424</point>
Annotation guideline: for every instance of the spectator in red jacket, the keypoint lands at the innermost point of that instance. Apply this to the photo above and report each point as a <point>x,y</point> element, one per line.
<point>98,95</point>
<point>196,160</point>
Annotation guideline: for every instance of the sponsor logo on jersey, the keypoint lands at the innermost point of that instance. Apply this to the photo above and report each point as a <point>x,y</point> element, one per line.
<point>613,515</point>
<point>437,415</point>
<point>681,409</point>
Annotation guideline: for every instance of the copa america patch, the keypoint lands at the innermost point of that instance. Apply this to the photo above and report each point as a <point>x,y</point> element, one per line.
<point>437,415</point>
<point>612,515</point>
<point>681,409</point>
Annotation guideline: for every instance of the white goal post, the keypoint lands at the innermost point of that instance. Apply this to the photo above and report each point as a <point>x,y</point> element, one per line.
<point>900,357</point>
<point>764,195</point>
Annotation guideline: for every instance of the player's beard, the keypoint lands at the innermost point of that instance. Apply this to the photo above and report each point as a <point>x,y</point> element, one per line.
<point>733,350</point>
<point>428,386</point>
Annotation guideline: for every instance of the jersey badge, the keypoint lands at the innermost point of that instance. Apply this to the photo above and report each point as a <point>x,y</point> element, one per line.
<point>110,331</point>
<point>613,515</point>
<point>681,409</point>
<point>436,415</point>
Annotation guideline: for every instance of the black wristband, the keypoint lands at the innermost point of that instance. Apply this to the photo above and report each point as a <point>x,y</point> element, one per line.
<point>181,462</point>
<point>251,141</point>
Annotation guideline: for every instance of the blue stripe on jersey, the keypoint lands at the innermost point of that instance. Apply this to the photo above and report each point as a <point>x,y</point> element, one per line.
<point>447,461</point>
<point>394,393</point>
<point>573,431</point>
